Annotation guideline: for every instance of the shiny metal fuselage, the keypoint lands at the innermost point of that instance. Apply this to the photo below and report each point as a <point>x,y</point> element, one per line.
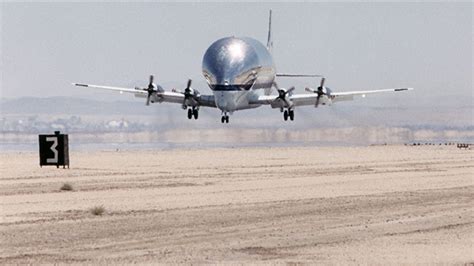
<point>238,70</point>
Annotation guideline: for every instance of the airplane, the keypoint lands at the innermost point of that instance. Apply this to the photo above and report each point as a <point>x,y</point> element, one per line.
<point>241,75</point>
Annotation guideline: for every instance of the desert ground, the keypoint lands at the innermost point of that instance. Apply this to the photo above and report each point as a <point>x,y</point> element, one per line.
<point>331,205</point>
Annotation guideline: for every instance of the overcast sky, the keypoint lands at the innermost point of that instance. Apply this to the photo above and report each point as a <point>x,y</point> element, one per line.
<point>45,47</point>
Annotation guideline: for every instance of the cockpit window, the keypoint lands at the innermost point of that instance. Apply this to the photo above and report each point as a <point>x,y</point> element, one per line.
<point>231,87</point>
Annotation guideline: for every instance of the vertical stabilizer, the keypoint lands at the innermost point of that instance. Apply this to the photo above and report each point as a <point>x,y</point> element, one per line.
<point>270,40</point>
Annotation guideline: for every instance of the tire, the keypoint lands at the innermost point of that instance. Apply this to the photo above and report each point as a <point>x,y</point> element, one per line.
<point>196,113</point>
<point>190,113</point>
<point>223,119</point>
<point>292,115</point>
<point>285,115</point>
<point>227,119</point>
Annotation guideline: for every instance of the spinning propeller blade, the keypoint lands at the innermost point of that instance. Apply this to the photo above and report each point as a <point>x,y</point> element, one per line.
<point>150,90</point>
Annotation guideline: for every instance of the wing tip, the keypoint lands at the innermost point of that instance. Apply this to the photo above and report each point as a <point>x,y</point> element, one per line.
<point>80,85</point>
<point>404,89</point>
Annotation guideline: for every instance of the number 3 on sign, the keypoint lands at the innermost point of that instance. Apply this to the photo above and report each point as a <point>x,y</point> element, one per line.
<point>53,148</point>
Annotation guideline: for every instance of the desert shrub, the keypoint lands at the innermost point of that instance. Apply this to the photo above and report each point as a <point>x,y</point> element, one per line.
<point>98,210</point>
<point>66,187</point>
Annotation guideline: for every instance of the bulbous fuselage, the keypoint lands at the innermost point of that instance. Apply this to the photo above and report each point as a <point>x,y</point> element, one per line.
<point>234,65</point>
<point>238,62</point>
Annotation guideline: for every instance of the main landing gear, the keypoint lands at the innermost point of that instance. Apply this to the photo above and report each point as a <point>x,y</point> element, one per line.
<point>288,114</point>
<point>225,118</point>
<point>193,112</point>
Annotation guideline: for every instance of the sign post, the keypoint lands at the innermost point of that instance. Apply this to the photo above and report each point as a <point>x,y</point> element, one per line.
<point>54,149</point>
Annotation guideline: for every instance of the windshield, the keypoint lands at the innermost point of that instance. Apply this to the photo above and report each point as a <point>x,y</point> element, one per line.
<point>231,87</point>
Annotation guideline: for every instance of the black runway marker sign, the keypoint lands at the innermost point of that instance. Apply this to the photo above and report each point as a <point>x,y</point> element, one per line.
<point>54,149</point>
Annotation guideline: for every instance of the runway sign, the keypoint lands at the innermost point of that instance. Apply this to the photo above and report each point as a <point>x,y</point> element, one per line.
<point>54,149</point>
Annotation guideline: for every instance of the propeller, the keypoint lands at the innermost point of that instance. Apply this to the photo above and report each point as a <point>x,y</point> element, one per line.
<point>282,94</point>
<point>320,91</point>
<point>150,90</point>
<point>189,93</point>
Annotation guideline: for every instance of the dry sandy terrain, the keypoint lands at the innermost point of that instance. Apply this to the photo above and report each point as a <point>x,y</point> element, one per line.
<point>386,204</point>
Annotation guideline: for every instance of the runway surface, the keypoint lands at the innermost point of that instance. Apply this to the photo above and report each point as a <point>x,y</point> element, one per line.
<point>380,204</point>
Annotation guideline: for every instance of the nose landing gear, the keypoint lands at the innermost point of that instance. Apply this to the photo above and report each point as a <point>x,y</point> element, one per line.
<point>225,118</point>
<point>289,114</point>
<point>193,112</point>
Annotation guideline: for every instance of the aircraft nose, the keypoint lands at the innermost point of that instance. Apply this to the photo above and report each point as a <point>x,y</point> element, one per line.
<point>224,101</point>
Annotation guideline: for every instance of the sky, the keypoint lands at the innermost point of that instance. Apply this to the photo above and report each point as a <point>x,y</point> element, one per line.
<point>46,46</point>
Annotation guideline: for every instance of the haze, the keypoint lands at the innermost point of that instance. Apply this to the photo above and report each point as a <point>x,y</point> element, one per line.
<point>47,46</point>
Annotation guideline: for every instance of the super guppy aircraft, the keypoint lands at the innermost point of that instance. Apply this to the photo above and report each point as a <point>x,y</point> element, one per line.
<point>241,74</point>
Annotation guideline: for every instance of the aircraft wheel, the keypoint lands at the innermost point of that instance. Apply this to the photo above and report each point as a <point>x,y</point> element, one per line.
<point>190,113</point>
<point>196,113</point>
<point>227,119</point>
<point>291,114</point>
<point>285,115</point>
<point>223,119</point>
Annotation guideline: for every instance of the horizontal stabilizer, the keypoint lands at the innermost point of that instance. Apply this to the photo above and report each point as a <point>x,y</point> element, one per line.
<point>299,75</point>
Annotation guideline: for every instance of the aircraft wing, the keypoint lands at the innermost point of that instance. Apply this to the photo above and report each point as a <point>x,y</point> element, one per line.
<point>160,96</point>
<point>353,93</point>
<point>349,95</point>
<point>111,88</point>
<point>310,98</point>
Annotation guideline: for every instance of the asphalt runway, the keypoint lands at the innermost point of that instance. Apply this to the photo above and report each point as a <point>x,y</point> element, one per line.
<point>337,205</point>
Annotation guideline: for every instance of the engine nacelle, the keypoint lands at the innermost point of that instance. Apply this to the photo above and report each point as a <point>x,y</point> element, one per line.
<point>154,97</point>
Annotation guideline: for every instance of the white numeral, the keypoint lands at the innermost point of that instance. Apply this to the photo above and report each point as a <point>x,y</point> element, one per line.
<point>53,148</point>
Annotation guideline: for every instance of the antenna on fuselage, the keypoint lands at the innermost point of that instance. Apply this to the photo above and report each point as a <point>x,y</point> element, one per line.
<point>270,40</point>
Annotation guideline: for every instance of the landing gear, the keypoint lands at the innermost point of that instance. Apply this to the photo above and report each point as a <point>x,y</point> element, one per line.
<point>289,114</point>
<point>225,118</point>
<point>193,112</point>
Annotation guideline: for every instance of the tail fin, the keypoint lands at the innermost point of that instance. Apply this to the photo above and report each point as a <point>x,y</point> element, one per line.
<point>270,40</point>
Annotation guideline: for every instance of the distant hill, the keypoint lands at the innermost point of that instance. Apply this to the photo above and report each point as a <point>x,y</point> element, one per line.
<point>360,113</point>
<point>69,106</point>
<point>363,122</point>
